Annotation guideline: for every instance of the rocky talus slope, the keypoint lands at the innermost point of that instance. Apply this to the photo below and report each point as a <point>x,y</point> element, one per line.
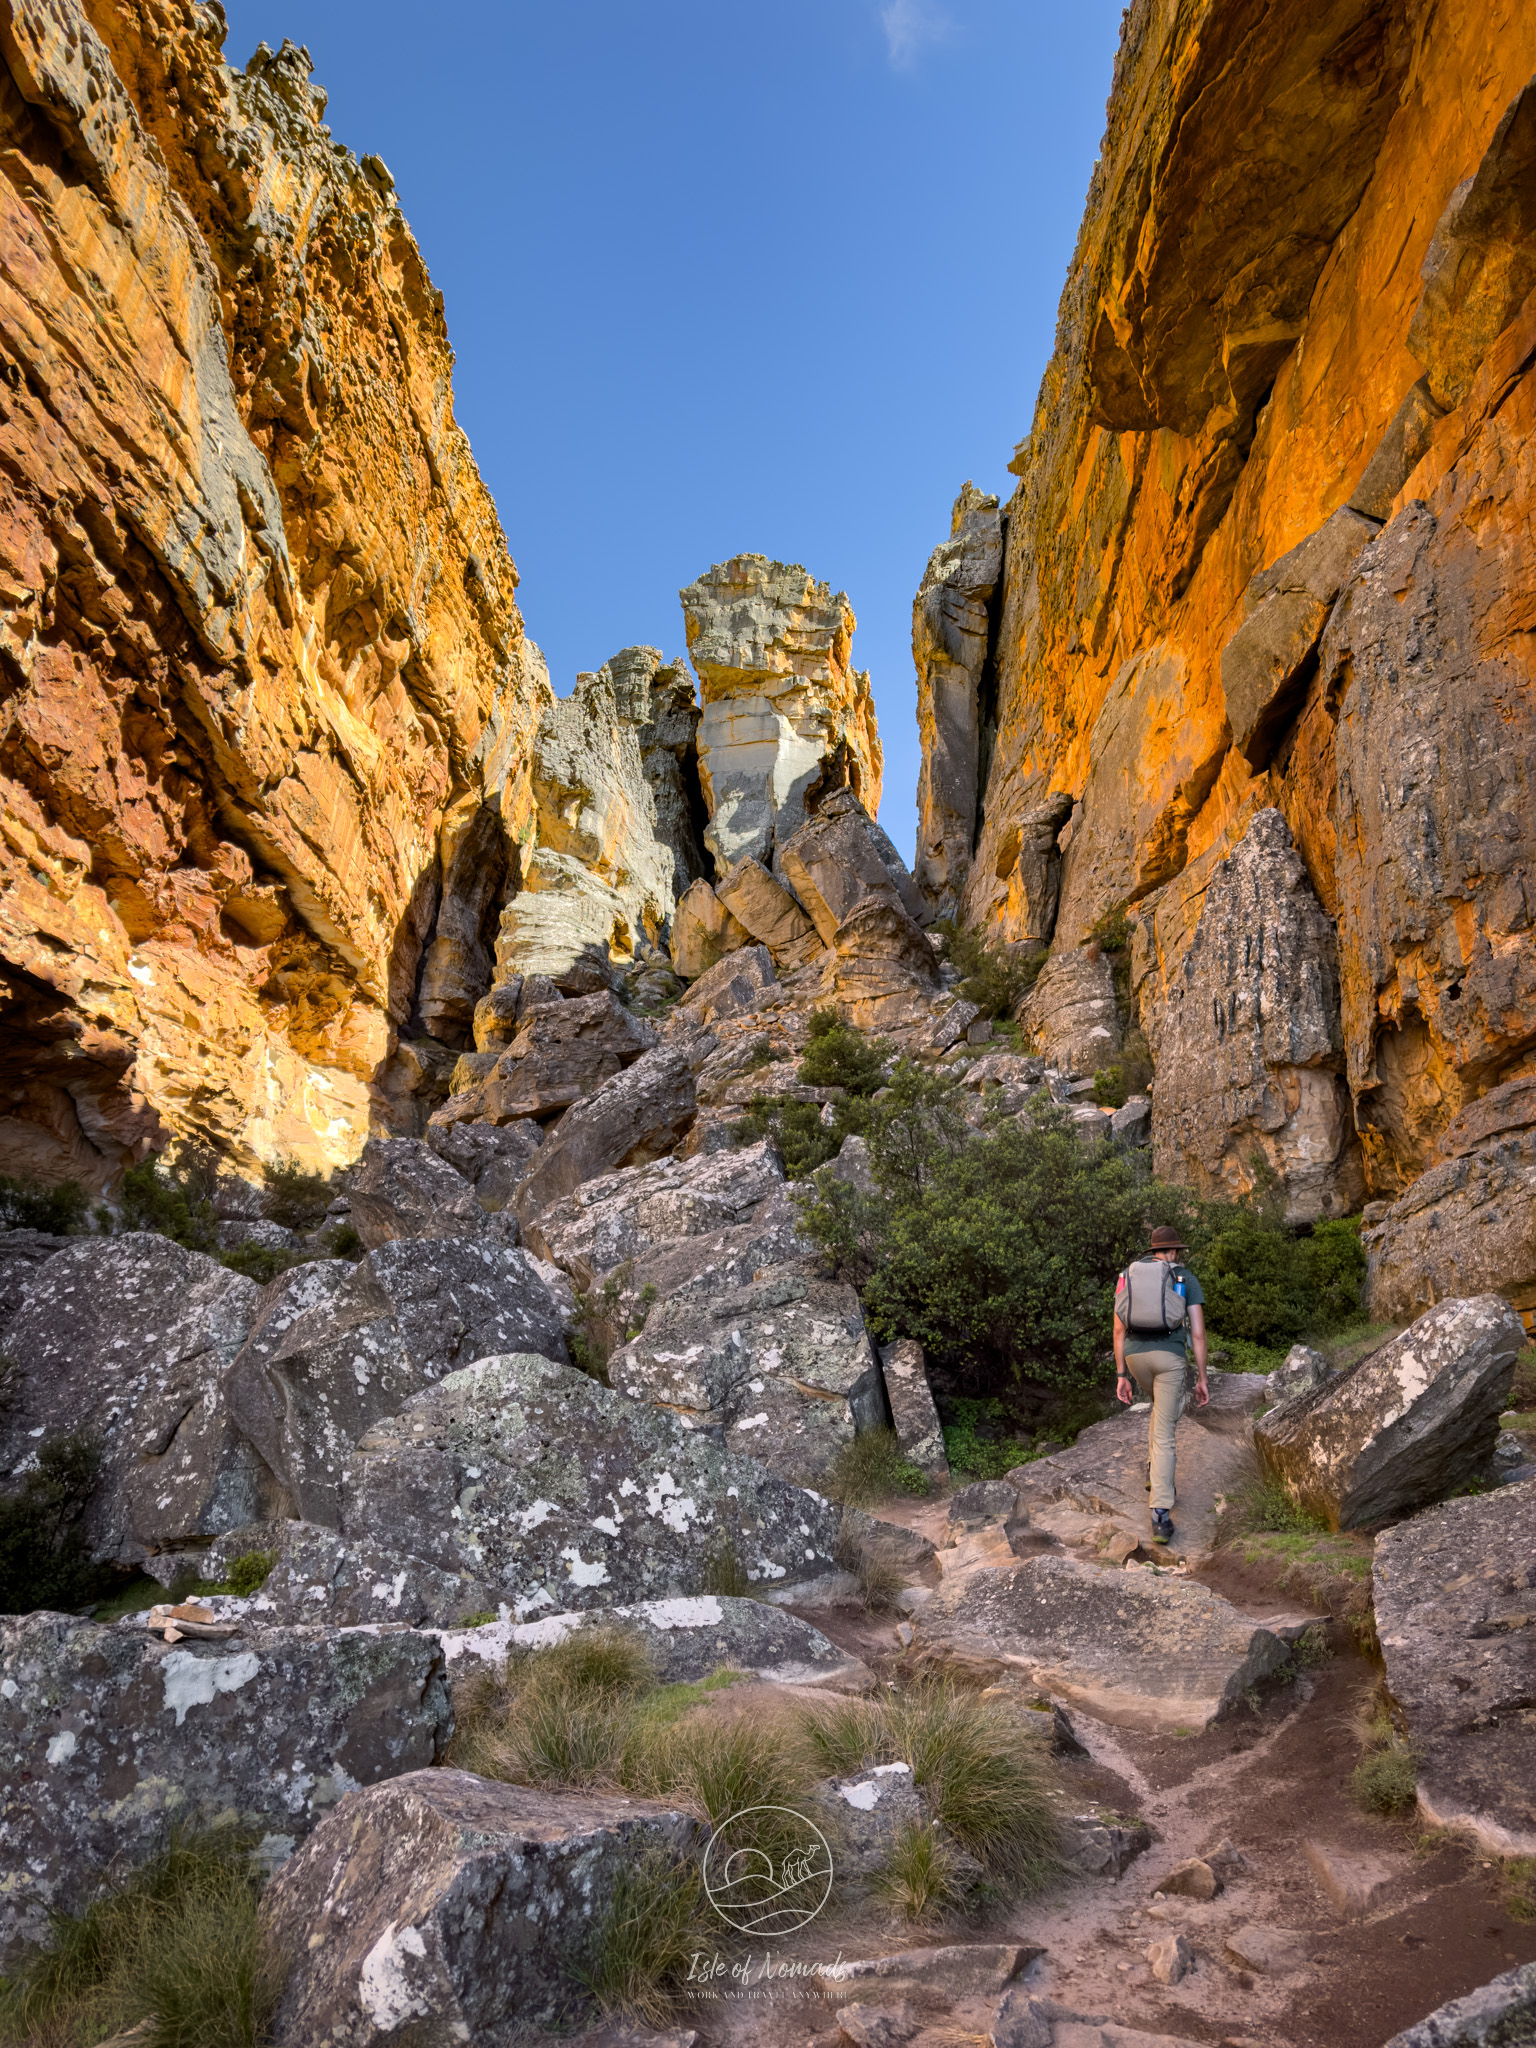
<point>1247,653</point>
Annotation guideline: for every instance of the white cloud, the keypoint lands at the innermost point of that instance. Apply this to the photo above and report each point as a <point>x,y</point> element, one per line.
<point>910,26</point>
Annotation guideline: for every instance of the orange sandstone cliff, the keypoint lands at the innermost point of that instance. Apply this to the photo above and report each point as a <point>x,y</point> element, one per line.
<point>266,705</point>
<point>1253,656</point>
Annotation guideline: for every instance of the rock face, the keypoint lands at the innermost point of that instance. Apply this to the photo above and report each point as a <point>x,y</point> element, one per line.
<point>783,1366</point>
<point>786,716</point>
<point>130,1340</point>
<point>638,1116</point>
<point>401,1188</point>
<point>1264,556</point>
<point>950,629</point>
<point>1455,1590</point>
<point>1071,1016</point>
<point>558,1493</point>
<point>1404,1425</point>
<point>452,1905</point>
<point>1497,2012</point>
<point>109,1735</point>
<point>562,1053</point>
<point>249,732</point>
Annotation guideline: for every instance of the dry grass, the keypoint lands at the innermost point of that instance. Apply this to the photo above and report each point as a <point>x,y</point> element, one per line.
<point>921,1876</point>
<point>869,1470</point>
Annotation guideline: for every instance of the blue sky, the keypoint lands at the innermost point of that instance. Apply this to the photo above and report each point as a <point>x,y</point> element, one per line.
<point>729,274</point>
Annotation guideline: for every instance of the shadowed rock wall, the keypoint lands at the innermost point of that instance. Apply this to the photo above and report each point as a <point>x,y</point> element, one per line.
<point>262,672</point>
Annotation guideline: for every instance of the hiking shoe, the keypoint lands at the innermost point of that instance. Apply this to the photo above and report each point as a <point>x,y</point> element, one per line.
<point>1162,1525</point>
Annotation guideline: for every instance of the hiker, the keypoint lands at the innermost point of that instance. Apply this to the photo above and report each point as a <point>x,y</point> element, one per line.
<point>1158,1302</point>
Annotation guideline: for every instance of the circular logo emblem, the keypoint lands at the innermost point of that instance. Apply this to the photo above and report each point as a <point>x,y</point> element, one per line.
<point>767,1870</point>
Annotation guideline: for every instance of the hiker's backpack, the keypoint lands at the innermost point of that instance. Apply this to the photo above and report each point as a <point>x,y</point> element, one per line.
<point>1148,1299</point>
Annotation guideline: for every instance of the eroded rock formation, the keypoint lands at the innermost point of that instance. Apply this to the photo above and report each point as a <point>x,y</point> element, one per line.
<point>1269,559</point>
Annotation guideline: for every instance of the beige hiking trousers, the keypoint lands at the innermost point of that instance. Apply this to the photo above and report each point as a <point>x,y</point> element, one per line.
<point>1161,1375</point>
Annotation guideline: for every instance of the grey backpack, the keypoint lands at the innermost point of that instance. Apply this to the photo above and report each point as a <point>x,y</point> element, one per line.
<point>1148,1300</point>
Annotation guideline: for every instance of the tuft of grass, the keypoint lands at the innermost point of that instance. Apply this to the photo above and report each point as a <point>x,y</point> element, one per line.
<point>921,1873</point>
<point>175,1950</point>
<point>1386,1781</point>
<point>249,1572</point>
<point>724,1573</point>
<point>642,1947</point>
<point>1261,1506</point>
<point>879,1575</point>
<point>1519,1898</point>
<point>845,1736</point>
<point>557,1717</point>
<point>1311,1648</point>
<point>871,1469</point>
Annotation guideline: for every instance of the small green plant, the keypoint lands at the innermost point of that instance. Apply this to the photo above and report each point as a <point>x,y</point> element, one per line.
<point>258,1262</point>
<point>653,1927</point>
<point>921,1873</point>
<point>478,1619</point>
<point>1311,1648</point>
<point>1113,930</point>
<point>1261,1504</point>
<point>44,1557</point>
<point>171,1194</point>
<point>296,1197</point>
<point>799,1135</point>
<point>975,1442</point>
<point>249,1572</point>
<point>879,1576</point>
<point>1520,1888</point>
<point>649,1295</point>
<point>724,1573</point>
<point>996,978</point>
<point>1386,1781</point>
<point>1522,1394</point>
<point>175,1950</point>
<point>839,1056</point>
<point>26,1204</point>
<point>343,1242</point>
<point>869,1469</point>
<point>1127,1075</point>
<point>595,1311</point>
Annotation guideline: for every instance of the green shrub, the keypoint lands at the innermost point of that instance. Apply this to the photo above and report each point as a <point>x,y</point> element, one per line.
<point>171,1193</point>
<point>296,1197</point>
<point>802,1140</point>
<point>174,1950</point>
<point>839,1056</point>
<point>343,1242</point>
<point>871,1468</point>
<point>249,1572</point>
<point>920,1874</point>
<point>259,1262</point>
<point>1127,1075</point>
<point>1386,1781</point>
<point>997,978</point>
<point>1113,930</point>
<point>1266,1286</point>
<point>44,1561</point>
<point>976,1445</point>
<point>27,1205</point>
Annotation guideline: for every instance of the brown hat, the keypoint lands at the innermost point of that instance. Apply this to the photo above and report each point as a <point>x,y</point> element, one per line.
<point>1167,1239</point>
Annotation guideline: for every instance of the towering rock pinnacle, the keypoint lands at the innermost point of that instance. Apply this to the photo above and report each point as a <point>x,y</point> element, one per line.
<point>787,717</point>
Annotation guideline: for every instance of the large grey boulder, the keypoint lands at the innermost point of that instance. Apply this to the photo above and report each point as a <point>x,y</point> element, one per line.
<point>1264,664</point>
<point>128,1340</point>
<point>765,908</point>
<point>1247,1038</point>
<point>638,1116</point>
<point>1499,2014</point>
<point>620,1216</point>
<point>108,1736</point>
<point>685,1639</point>
<point>561,1054</point>
<point>21,1253</point>
<point>336,1349</point>
<point>320,1577</point>
<point>1301,1370</point>
<point>400,1188</point>
<point>492,1157</point>
<point>784,1366</point>
<point>733,987</point>
<point>913,1413</point>
<point>835,866</point>
<point>1071,1017</point>
<point>558,1493</point>
<point>1455,1597</point>
<point>444,1907</point>
<point>1403,1426</point>
<point>1141,1650</point>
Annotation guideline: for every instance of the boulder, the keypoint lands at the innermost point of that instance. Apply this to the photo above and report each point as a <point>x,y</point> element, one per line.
<point>1071,1017</point>
<point>786,715</point>
<point>401,1188</point>
<point>1191,1879</point>
<point>453,1906</point>
<point>637,1116</point>
<point>1247,1038</point>
<point>337,1347</point>
<point>1131,1123</point>
<point>766,909</point>
<point>1404,1425</point>
<point>560,1055</point>
<point>844,803</point>
<point>1137,1649</point>
<point>622,1216</point>
<point>1467,1224</point>
<point>950,631</point>
<point>109,1735</point>
<point>835,866</point>
<point>863,1815</point>
<point>1091,1845</point>
<point>319,1577</point>
<point>567,924</point>
<point>784,1366</point>
<point>703,932</point>
<point>1171,1959</point>
<point>986,1504</point>
<point>1302,1370</point>
<point>686,1639</point>
<point>908,1394</point>
<point>511,1002</point>
<point>1265,665</point>
<point>21,1253</point>
<point>732,988</point>
<point>128,1340</point>
<point>492,1157</point>
<point>1499,2014</point>
<point>885,973</point>
<point>559,1493</point>
<point>1455,1597</point>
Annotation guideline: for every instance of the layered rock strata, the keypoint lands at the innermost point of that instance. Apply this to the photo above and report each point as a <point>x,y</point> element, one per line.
<point>1269,552</point>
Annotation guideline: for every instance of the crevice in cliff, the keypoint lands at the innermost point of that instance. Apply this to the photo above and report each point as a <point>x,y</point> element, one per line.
<point>988,688</point>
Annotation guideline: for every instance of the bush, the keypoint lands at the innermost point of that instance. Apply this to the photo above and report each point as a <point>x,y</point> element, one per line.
<point>171,1193</point>
<point>175,1950</point>
<point>296,1197</point>
<point>1128,1075</point>
<point>27,1205</point>
<point>249,1572</point>
<point>972,1442</point>
<point>1266,1286</point>
<point>994,977</point>
<point>259,1262</point>
<point>871,1468</point>
<point>44,1561</point>
<point>1386,1781</point>
<point>800,1137</point>
<point>838,1056</point>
